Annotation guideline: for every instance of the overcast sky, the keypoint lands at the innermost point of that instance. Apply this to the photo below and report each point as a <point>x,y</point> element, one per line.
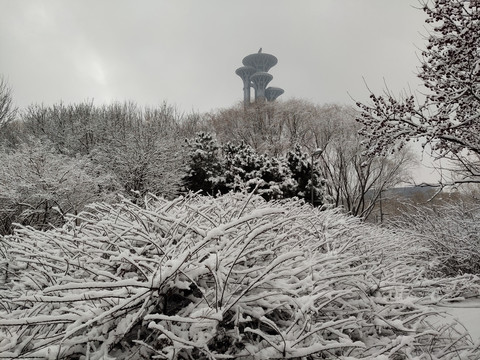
<point>185,52</point>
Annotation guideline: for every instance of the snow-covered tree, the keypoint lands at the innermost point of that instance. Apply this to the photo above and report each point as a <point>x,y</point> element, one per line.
<point>254,126</point>
<point>204,165</point>
<point>449,118</point>
<point>145,165</point>
<point>8,112</point>
<point>355,181</point>
<point>71,129</point>
<point>7,109</point>
<point>39,186</point>
<point>140,146</point>
<point>272,128</point>
<point>245,169</point>
<point>241,163</point>
<point>216,169</point>
<point>300,165</point>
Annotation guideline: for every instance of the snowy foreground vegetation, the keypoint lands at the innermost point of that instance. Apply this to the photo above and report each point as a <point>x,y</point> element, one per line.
<point>218,278</point>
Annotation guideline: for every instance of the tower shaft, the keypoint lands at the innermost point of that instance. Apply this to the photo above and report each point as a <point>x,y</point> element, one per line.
<point>260,81</point>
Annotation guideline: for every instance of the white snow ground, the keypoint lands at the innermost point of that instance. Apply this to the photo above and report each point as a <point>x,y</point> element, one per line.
<point>467,312</point>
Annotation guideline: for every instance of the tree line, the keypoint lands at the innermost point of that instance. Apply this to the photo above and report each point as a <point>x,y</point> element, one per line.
<point>57,159</point>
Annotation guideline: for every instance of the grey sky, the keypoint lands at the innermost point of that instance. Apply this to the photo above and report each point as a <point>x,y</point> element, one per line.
<point>185,52</point>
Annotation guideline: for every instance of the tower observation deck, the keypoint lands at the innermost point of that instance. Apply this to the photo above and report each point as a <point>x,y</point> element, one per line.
<point>255,74</point>
<point>260,81</point>
<point>271,93</point>
<point>260,61</point>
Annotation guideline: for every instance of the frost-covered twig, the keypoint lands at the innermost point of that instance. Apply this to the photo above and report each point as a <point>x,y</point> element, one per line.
<point>227,277</point>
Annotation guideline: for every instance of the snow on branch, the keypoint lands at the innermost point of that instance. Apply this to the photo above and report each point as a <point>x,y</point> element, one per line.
<point>204,278</point>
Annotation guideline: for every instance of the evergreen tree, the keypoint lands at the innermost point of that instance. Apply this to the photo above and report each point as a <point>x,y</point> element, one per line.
<point>246,169</point>
<point>242,166</point>
<point>236,167</point>
<point>300,165</point>
<point>204,165</point>
<point>278,178</point>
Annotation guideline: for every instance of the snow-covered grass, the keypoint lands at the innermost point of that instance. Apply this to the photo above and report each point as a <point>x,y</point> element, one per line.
<point>451,233</point>
<point>230,277</point>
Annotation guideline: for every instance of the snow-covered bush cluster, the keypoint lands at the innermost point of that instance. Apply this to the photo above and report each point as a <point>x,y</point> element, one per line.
<point>39,185</point>
<point>450,232</point>
<point>218,278</point>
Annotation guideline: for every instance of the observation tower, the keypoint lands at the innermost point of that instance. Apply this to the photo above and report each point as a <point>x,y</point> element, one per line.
<point>255,74</point>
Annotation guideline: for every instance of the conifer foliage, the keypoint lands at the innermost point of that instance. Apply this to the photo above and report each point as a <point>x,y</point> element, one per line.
<point>301,168</point>
<point>214,169</point>
<point>204,164</point>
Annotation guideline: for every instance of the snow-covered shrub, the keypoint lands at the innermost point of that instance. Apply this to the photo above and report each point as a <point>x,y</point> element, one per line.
<point>212,278</point>
<point>450,232</point>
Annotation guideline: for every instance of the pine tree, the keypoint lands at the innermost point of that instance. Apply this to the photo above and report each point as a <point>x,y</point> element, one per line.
<point>247,169</point>
<point>204,165</point>
<point>242,166</point>
<point>301,167</point>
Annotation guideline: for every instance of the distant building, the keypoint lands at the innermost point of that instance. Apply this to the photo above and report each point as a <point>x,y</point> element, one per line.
<point>255,75</point>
